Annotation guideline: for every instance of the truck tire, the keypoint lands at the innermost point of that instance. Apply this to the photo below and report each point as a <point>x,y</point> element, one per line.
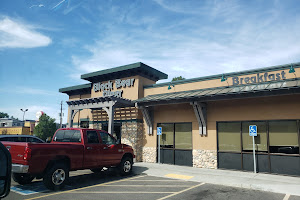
<point>125,166</point>
<point>22,179</point>
<point>56,177</point>
<point>97,170</point>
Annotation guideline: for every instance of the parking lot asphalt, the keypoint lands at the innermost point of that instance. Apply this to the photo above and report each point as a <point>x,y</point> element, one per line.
<point>107,185</point>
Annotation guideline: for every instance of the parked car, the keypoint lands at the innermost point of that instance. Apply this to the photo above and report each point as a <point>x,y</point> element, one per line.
<point>5,171</point>
<point>21,138</point>
<point>70,149</point>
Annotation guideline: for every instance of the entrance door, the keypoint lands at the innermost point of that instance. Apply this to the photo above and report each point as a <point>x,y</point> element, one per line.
<point>176,143</point>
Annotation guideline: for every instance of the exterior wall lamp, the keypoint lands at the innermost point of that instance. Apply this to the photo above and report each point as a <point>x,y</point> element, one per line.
<point>292,70</point>
<point>224,78</point>
<point>170,84</point>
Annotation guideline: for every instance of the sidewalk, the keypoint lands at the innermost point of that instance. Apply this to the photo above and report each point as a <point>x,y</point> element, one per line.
<point>264,182</point>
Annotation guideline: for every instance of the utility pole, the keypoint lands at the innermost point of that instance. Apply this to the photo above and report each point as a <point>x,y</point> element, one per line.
<point>61,114</point>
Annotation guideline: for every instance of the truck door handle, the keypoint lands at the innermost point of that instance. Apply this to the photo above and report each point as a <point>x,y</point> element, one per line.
<point>89,148</point>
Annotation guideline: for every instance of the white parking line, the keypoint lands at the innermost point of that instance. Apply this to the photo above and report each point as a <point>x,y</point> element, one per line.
<point>286,197</point>
<point>114,192</point>
<point>144,186</point>
<point>176,193</point>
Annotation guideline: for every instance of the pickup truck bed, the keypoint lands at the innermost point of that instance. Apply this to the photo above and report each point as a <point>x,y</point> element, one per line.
<point>71,149</point>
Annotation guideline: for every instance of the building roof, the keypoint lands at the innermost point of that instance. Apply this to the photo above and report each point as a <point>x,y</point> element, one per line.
<point>78,89</point>
<point>272,88</point>
<point>138,68</point>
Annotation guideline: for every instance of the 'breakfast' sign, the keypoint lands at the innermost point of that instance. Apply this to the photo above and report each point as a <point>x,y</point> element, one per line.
<point>259,78</point>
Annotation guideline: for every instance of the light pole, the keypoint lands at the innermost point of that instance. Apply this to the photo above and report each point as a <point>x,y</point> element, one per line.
<point>23,114</point>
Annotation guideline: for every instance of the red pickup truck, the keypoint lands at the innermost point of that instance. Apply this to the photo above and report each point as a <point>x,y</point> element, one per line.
<point>70,149</point>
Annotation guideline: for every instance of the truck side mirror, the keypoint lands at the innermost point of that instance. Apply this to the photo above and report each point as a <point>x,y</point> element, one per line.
<point>5,171</point>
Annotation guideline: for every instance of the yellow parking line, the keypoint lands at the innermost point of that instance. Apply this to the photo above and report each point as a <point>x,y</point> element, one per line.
<point>178,176</point>
<point>171,195</point>
<point>102,184</point>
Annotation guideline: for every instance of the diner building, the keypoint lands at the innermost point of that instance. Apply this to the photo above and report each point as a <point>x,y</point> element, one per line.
<point>205,121</point>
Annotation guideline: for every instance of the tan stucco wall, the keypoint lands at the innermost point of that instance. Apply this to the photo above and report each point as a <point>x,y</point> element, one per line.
<point>134,92</point>
<point>266,108</point>
<point>15,131</point>
<point>210,83</point>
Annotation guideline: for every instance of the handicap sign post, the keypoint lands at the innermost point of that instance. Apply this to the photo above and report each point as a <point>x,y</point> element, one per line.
<point>159,132</point>
<point>253,133</point>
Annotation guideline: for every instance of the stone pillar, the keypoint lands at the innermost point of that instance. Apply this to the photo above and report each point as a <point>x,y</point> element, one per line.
<point>205,158</point>
<point>149,154</point>
<point>132,134</point>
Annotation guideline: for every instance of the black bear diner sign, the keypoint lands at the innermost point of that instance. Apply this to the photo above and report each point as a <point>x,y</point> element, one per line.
<point>259,78</point>
<point>107,87</point>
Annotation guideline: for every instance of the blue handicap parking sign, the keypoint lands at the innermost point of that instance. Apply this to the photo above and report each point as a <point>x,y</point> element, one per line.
<point>253,130</point>
<point>159,130</point>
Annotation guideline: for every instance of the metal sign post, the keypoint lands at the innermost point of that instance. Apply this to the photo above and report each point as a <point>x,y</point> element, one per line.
<point>159,131</point>
<point>253,132</point>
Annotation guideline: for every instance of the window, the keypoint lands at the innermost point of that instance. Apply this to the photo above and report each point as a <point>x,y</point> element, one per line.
<point>92,137</point>
<point>68,136</point>
<point>167,136</point>
<point>107,139</point>
<point>229,136</point>
<point>260,139</point>
<point>183,136</point>
<point>84,124</point>
<point>283,137</point>
<point>176,135</point>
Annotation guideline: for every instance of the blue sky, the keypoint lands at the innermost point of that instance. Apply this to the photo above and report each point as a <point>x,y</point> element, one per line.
<point>47,44</point>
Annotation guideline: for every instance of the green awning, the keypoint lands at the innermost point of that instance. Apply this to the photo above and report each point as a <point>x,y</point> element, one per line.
<point>277,88</point>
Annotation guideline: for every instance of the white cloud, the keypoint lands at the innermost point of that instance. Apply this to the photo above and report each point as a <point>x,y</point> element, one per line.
<point>14,34</point>
<point>227,37</point>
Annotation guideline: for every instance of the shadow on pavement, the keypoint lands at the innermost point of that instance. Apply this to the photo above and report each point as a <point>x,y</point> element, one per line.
<point>81,180</point>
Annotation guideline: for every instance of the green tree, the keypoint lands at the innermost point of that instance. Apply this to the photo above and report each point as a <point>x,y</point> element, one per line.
<point>178,78</point>
<point>46,127</point>
<point>3,115</point>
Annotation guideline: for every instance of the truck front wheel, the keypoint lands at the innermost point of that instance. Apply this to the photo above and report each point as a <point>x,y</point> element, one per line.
<point>55,178</point>
<point>125,166</point>
<point>22,179</point>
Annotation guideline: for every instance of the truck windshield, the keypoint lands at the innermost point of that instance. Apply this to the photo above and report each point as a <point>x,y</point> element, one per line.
<point>67,136</point>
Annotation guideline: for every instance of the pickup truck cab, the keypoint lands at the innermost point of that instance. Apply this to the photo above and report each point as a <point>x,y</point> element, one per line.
<point>70,149</point>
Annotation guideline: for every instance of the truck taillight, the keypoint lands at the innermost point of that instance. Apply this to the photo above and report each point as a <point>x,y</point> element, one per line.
<point>27,153</point>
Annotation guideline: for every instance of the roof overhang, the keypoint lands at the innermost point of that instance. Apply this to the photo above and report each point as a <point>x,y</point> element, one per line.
<point>125,71</point>
<point>99,102</point>
<point>286,87</point>
<point>78,89</point>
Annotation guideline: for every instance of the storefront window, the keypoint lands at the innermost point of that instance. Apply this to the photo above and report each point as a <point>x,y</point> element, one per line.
<point>229,136</point>
<point>167,137</point>
<point>283,137</point>
<point>183,136</point>
<point>260,139</point>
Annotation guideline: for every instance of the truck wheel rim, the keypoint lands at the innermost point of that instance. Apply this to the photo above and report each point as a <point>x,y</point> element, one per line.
<point>127,166</point>
<point>58,177</point>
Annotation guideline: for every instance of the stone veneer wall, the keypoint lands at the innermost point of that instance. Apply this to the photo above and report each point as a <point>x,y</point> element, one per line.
<point>149,154</point>
<point>205,159</point>
<point>132,134</point>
